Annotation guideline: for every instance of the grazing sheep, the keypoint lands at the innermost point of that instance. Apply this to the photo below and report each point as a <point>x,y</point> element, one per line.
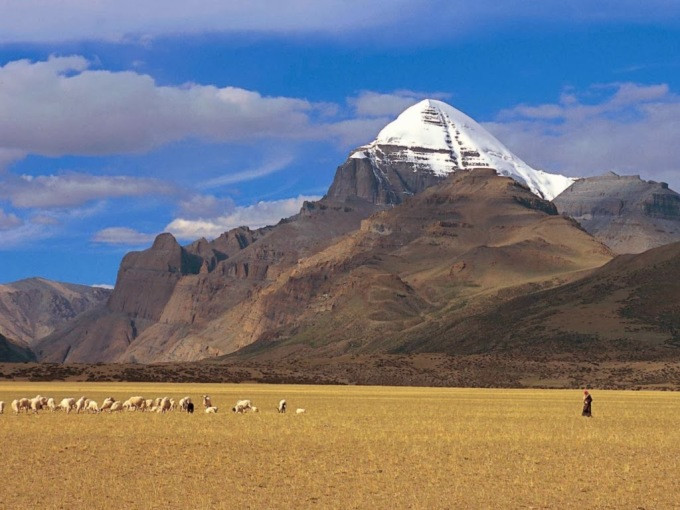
<point>173,404</point>
<point>68,404</point>
<point>80,404</point>
<point>210,410</point>
<point>242,406</point>
<point>137,403</point>
<point>206,401</point>
<point>106,405</point>
<point>2,407</point>
<point>116,406</point>
<point>51,404</point>
<point>92,406</point>
<point>164,406</point>
<point>282,406</point>
<point>300,411</point>
<point>190,408</point>
<point>183,404</point>
<point>37,403</point>
<point>25,404</point>
<point>157,401</point>
<point>149,404</point>
<point>15,406</point>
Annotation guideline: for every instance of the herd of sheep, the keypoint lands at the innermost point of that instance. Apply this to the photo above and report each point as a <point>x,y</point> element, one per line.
<point>111,405</point>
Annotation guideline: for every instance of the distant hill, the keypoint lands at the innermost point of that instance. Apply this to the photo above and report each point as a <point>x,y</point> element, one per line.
<point>33,308</point>
<point>626,213</point>
<point>627,310</point>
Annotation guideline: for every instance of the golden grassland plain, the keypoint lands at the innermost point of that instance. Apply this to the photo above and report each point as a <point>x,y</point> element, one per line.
<point>355,447</point>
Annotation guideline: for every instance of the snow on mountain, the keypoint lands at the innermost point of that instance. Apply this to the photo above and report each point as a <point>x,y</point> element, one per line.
<point>434,137</point>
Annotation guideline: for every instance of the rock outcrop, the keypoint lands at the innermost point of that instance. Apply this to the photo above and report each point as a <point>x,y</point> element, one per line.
<point>626,213</point>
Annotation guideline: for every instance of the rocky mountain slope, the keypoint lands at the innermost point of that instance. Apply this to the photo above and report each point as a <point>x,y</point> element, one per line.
<point>168,293</point>
<point>456,248</point>
<point>422,233</point>
<point>32,309</point>
<point>627,310</point>
<point>626,213</point>
<point>426,143</point>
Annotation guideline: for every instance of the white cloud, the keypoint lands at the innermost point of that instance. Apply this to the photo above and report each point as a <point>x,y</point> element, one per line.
<point>123,235</point>
<point>9,220</point>
<point>624,127</point>
<point>255,216</point>
<point>204,206</point>
<point>123,20</point>
<point>376,104</point>
<point>72,189</point>
<point>263,170</point>
<point>22,235</point>
<point>102,286</point>
<point>60,106</point>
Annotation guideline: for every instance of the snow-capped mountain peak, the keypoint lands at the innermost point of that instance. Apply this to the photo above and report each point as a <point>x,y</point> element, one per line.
<point>436,138</point>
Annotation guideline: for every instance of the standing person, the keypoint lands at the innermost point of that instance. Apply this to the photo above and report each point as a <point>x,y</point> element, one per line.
<point>587,402</point>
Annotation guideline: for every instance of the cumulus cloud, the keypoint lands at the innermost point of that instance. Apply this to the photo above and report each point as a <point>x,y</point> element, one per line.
<point>623,127</point>
<point>37,20</point>
<point>9,220</point>
<point>123,236</point>
<point>72,189</point>
<point>255,216</point>
<point>60,106</point>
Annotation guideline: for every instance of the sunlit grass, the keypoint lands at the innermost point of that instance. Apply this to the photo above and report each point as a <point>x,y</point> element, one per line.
<point>356,447</point>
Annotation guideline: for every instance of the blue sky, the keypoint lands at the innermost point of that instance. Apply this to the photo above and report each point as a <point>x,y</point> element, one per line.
<point>119,121</point>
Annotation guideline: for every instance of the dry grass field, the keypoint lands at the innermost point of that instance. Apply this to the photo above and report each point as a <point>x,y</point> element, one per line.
<point>356,447</point>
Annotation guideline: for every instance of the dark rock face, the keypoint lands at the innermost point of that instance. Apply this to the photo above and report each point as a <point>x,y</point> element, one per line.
<point>385,180</point>
<point>14,352</point>
<point>626,213</point>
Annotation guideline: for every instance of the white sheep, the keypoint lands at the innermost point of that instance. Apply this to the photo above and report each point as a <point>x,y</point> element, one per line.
<point>37,403</point>
<point>206,401</point>
<point>68,404</point>
<point>173,404</point>
<point>149,404</point>
<point>136,403</point>
<point>106,405</point>
<point>254,409</point>
<point>15,406</point>
<point>92,406</point>
<point>81,404</point>
<point>184,403</point>
<point>164,406</point>
<point>210,410</point>
<point>242,406</point>
<point>282,406</point>
<point>116,406</point>
<point>24,404</point>
<point>300,411</point>
<point>51,404</point>
<point>2,407</point>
